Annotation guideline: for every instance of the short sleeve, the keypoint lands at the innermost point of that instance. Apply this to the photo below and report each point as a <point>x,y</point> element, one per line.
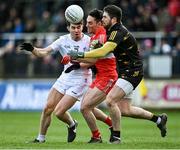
<point>56,44</point>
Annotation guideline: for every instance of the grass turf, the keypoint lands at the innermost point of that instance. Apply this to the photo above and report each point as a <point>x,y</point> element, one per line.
<point>16,128</point>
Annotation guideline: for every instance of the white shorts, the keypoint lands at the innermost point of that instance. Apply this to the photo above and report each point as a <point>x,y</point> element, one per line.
<point>126,86</point>
<point>75,90</point>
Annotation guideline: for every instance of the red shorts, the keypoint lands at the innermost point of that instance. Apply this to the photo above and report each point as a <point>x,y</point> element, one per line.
<point>104,84</point>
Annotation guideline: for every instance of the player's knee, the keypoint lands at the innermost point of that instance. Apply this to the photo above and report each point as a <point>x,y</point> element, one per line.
<point>109,101</point>
<point>48,110</point>
<point>125,111</point>
<point>58,112</point>
<point>83,108</point>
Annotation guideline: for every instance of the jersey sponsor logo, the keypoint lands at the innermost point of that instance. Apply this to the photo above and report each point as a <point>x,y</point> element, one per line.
<point>112,36</point>
<point>135,74</point>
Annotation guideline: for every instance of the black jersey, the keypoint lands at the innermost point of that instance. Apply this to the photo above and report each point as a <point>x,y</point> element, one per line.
<point>129,62</point>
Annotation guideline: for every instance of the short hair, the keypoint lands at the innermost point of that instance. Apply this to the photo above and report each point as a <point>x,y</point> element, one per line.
<point>97,14</point>
<point>114,11</point>
<point>68,23</point>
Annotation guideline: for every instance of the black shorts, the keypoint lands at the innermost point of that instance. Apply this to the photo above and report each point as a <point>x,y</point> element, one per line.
<point>132,77</point>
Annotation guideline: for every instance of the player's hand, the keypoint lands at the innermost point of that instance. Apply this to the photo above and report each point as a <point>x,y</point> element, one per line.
<point>98,45</point>
<point>75,54</point>
<point>75,66</point>
<point>27,47</point>
<point>66,59</point>
<point>95,44</point>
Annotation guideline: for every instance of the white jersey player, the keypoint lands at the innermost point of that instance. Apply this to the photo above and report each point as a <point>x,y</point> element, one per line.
<point>69,87</point>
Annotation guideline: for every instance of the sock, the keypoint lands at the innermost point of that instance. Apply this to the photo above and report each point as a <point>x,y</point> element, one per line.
<point>108,121</point>
<point>41,137</point>
<point>159,120</point>
<point>116,133</point>
<point>72,124</point>
<point>154,118</point>
<point>96,134</point>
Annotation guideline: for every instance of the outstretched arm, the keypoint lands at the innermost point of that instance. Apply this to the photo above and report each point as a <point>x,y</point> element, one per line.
<point>39,52</point>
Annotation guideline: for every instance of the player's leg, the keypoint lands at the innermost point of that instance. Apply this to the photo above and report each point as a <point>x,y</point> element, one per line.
<point>112,98</point>
<point>121,89</point>
<point>136,112</point>
<point>53,98</point>
<point>101,116</point>
<point>61,112</point>
<point>128,110</point>
<point>61,109</point>
<point>92,98</point>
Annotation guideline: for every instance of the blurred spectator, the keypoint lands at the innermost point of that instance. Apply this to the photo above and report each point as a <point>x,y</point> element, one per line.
<point>30,26</point>
<point>165,47</point>
<point>174,8</point>
<point>147,47</point>
<point>13,64</point>
<point>147,21</point>
<point>176,49</point>
<point>146,50</point>
<point>44,22</point>
<point>176,58</point>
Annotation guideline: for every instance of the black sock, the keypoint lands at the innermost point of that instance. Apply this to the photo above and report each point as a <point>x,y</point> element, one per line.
<point>154,118</point>
<point>116,133</point>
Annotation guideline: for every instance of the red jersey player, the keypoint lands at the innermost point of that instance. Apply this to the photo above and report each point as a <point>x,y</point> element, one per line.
<point>105,79</point>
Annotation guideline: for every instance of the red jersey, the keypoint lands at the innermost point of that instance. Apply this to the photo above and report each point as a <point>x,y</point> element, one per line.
<point>106,66</point>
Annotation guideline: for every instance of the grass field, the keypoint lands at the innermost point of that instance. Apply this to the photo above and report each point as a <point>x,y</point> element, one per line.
<point>16,128</point>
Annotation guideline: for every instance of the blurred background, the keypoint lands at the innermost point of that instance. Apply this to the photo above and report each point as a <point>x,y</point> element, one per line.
<point>155,24</point>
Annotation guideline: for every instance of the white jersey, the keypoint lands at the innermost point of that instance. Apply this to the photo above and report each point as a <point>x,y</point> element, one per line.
<point>64,44</point>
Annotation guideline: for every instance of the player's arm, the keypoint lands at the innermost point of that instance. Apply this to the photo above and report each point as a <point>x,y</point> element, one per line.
<point>102,51</point>
<point>39,52</point>
<point>96,53</point>
<point>78,65</point>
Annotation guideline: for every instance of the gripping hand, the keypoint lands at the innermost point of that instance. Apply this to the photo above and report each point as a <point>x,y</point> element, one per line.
<point>75,54</point>
<point>27,47</point>
<point>65,60</point>
<point>95,44</point>
<point>75,66</point>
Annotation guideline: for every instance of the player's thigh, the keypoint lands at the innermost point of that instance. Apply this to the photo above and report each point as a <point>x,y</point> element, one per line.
<point>93,97</point>
<point>53,98</point>
<point>121,89</point>
<point>65,103</point>
<point>115,94</point>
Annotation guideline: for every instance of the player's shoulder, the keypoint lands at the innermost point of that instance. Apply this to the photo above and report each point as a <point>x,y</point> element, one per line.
<point>65,37</point>
<point>85,36</point>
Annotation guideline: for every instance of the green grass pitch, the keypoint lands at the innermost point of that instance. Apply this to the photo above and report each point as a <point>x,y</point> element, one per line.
<point>16,128</point>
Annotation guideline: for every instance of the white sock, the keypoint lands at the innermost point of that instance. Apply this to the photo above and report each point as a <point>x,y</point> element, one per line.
<point>72,124</point>
<point>159,120</point>
<point>41,137</point>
